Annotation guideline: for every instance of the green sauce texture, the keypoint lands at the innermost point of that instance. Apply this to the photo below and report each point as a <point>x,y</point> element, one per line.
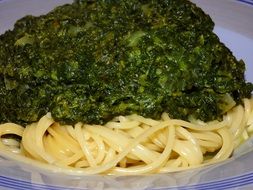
<point>90,61</point>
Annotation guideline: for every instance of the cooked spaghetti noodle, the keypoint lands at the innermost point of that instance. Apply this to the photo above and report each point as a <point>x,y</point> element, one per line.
<point>130,145</point>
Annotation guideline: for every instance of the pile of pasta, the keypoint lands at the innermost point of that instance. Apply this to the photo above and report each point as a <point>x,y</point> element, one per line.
<point>130,145</point>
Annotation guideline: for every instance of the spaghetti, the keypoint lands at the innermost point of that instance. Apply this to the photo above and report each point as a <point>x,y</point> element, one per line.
<point>130,145</point>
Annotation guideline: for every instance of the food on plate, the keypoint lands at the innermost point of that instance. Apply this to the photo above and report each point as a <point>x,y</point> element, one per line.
<point>122,87</point>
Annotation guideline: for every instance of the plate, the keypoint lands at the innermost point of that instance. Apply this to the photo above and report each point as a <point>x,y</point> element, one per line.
<point>234,27</point>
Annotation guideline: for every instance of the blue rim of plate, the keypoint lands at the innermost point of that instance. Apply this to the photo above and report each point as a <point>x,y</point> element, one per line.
<point>228,183</point>
<point>249,2</point>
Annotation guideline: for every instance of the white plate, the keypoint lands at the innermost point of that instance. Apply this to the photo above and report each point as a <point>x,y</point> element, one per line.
<point>234,26</point>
